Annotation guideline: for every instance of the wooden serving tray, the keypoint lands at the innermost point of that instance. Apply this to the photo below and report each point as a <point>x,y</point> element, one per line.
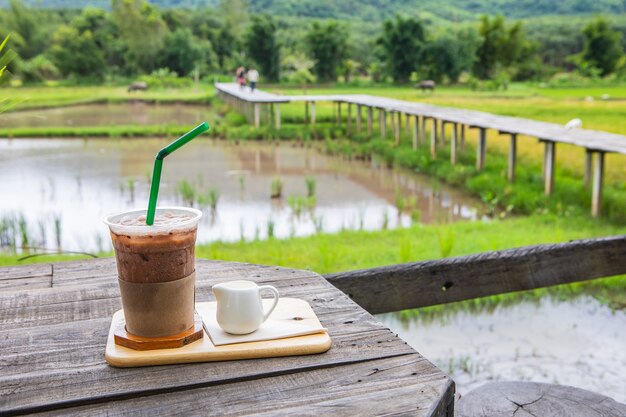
<point>203,350</point>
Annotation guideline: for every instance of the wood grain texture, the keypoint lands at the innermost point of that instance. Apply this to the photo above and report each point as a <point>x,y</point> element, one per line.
<point>528,399</point>
<point>52,350</point>
<point>412,285</point>
<point>343,391</point>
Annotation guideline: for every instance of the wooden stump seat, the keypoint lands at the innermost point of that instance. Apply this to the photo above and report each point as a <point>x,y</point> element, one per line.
<point>532,399</point>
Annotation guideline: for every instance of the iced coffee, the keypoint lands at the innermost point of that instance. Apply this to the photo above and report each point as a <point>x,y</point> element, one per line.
<point>156,269</point>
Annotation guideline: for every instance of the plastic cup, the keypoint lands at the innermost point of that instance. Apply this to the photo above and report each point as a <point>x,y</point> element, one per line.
<point>156,271</point>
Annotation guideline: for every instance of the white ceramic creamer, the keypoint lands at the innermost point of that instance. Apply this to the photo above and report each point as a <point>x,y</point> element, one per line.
<point>239,306</point>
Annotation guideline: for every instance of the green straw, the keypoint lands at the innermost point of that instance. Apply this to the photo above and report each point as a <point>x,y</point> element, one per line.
<point>158,164</point>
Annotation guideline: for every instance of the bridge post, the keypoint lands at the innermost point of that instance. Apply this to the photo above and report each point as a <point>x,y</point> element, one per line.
<point>349,119</point>
<point>383,123</point>
<point>512,157</point>
<point>549,160</point>
<point>433,139</point>
<point>480,150</point>
<point>416,132</point>
<point>398,128</point>
<point>306,113</point>
<point>313,115</point>
<point>277,115</point>
<point>339,113</point>
<point>598,184</point>
<point>257,115</point>
<point>423,129</point>
<point>453,144</point>
<point>358,118</point>
<point>408,124</point>
<point>442,133</point>
<point>370,121</point>
<point>588,167</point>
<point>462,138</point>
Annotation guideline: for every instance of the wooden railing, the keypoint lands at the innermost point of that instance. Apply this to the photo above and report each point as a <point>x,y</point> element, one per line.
<point>421,284</point>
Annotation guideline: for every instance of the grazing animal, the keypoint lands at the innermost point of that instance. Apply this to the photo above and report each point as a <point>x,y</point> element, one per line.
<point>574,124</point>
<point>426,85</point>
<point>138,86</point>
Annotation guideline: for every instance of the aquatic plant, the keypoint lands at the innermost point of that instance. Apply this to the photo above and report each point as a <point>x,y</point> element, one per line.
<point>23,227</point>
<point>311,185</point>
<point>210,198</point>
<point>57,230</point>
<point>131,189</point>
<point>242,182</point>
<point>318,223</point>
<point>276,188</point>
<point>297,204</point>
<point>187,191</point>
<point>385,224</point>
<point>270,228</point>
<point>400,201</point>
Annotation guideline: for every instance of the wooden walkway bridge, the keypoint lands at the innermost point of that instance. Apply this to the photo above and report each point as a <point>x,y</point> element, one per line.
<point>595,143</point>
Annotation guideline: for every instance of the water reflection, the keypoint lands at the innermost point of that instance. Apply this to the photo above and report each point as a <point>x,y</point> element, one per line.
<point>577,342</point>
<point>134,113</point>
<point>71,184</point>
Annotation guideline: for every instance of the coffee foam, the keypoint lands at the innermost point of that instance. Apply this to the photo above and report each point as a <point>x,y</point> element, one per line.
<point>167,219</point>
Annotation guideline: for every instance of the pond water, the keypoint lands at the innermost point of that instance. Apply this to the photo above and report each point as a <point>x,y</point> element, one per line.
<point>578,342</point>
<point>134,113</point>
<point>62,188</point>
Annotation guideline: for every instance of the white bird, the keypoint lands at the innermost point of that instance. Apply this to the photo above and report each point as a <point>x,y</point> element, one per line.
<point>574,124</point>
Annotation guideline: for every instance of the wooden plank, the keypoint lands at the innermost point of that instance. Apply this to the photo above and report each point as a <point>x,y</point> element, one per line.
<point>33,276</point>
<point>342,391</point>
<point>63,377</point>
<point>598,185</point>
<point>413,285</point>
<point>527,399</point>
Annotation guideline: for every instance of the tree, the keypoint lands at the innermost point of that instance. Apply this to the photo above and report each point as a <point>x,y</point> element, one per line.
<point>327,45</point>
<point>501,47</point>
<point>402,45</point>
<point>448,56</point>
<point>76,53</point>
<point>602,48</point>
<point>181,52</point>
<point>262,47</point>
<point>224,46</point>
<point>142,30</point>
<point>24,25</point>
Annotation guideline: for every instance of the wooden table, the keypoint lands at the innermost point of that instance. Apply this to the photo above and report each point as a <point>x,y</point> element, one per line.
<point>54,324</point>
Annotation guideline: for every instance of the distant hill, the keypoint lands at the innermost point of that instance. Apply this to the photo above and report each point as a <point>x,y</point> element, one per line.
<point>377,10</point>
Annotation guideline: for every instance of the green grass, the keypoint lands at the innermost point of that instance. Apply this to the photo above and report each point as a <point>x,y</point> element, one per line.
<point>349,250</point>
<point>24,98</point>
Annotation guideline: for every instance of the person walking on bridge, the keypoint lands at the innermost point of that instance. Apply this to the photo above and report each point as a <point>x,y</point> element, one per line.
<point>240,74</point>
<point>253,77</point>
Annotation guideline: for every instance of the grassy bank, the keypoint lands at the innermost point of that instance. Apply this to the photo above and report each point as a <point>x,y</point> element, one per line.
<point>25,98</point>
<point>350,250</point>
